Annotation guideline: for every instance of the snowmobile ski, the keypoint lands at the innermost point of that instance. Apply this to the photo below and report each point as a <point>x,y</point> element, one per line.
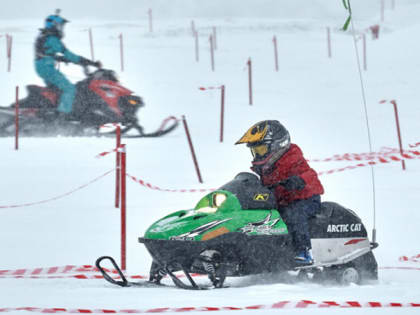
<point>123,282</point>
<point>151,283</point>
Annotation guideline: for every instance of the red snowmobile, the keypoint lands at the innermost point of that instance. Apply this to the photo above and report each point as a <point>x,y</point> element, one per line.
<point>100,99</point>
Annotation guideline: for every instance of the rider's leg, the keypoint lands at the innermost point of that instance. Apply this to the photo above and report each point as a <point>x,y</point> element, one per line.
<point>50,75</point>
<point>296,216</point>
<point>68,92</point>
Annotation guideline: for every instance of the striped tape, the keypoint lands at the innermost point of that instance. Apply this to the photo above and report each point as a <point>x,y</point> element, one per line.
<point>415,258</point>
<point>150,186</point>
<point>385,153</point>
<point>75,276</point>
<point>278,305</point>
<point>48,270</point>
<point>86,272</point>
<point>381,160</point>
<point>201,88</point>
<point>68,271</point>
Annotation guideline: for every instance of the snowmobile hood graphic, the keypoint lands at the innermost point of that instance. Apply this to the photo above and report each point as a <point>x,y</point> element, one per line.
<point>228,209</point>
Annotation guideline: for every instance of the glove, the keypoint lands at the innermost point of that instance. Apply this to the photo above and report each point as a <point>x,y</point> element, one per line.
<point>293,183</point>
<point>61,59</point>
<point>97,64</point>
<point>86,62</point>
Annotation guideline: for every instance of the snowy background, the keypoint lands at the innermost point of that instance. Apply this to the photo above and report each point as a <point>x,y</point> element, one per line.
<point>317,98</point>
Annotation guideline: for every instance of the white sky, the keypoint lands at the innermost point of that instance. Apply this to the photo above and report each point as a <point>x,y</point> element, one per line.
<point>133,9</point>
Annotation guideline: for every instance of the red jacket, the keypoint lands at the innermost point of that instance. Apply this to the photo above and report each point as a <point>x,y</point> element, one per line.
<point>293,163</point>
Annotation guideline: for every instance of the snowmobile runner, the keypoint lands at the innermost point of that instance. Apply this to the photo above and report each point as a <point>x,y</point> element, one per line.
<point>100,100</point>
<point>237,231</point>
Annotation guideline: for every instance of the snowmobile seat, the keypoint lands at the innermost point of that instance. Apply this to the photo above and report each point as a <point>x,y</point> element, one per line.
<point>252,195</point>
<point>326,210</point>
<point>330,209</point>
<point>41,97</point>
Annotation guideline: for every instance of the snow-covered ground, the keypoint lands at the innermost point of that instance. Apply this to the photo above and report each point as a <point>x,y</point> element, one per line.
<point>318,99</point>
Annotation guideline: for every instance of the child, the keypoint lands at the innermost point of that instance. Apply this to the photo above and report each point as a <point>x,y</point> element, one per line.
<point>282,167</point>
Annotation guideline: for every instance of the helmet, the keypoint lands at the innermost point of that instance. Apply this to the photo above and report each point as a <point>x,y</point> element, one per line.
<point>268,141</point>
<point>55,23</point>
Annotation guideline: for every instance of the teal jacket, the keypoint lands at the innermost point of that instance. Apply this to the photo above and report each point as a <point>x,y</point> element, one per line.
<point>49,48</point>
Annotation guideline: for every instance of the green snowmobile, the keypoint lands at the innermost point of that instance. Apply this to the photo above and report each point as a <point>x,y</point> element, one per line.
<point>236,230</point>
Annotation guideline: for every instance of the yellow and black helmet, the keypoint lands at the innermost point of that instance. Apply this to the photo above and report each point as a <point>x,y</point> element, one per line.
<point>265,138</point>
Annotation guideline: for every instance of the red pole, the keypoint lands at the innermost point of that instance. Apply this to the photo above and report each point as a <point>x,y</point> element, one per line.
<point>329,42</point>
<point>382,10</point>
<point>17,119</point>
<point>393,102</point>
<point>193,30</point>
<point>212,52</point>
<point>150,21</point>
<point>214,38</point>
<point>118,167</point>
<point>197,51</point>
<point>121,52</point>
<point>222,112</point>
<point>375,31</point>
<point>364,52</point>
<point>9,40</point>
<point>91,44</point>
<point>123,208</point>
<point>197,169</point>
<point>276,57</point>
<point>250,80</point>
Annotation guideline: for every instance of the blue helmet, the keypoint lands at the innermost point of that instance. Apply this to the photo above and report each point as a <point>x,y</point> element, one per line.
<point>55,23</point>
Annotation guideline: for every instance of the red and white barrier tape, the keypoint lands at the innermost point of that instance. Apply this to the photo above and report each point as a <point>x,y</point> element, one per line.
<point>400,268</point>
<point>102,154</point>
<point>351,167</point>
<point>415,258</point>
<point>277,305</point>
<point>201,88</point>
<point>90,272</point>
<point>332,171</point>
<point>75,276</point>
<point>150,186</point>
<point>59,196</point>
<point>48,271</point>
<point>68,271</point>
<point>166,120</point>
<point>383,154</point>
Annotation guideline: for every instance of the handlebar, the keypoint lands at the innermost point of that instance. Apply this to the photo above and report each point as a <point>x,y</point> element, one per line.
<point>86,69</point>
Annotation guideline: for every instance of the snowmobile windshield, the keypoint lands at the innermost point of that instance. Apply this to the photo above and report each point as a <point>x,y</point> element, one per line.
<point>103,74</point>
<point>211,203</point>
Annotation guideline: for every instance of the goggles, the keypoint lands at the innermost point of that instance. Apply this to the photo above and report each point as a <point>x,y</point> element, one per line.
<point>259,151</point>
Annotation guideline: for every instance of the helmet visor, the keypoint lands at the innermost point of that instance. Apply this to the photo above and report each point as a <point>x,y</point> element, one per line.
<point>259,151</point>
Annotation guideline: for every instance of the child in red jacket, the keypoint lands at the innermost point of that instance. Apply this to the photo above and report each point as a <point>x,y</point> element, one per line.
<point>282,167</point>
